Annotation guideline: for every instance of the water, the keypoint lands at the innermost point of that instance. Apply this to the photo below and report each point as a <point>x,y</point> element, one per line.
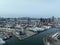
<point>34,40</point>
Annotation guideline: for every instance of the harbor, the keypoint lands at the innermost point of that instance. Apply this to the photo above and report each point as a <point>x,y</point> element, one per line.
<point>22,30</point>
<point>29,31</point>
<point>7,33</point>
<point>29,22</point>
<point>34,40</point>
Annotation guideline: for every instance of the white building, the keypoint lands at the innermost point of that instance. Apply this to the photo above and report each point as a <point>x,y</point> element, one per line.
<point>37,29</point>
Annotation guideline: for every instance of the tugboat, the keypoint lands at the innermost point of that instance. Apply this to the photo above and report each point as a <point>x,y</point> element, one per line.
<point>8,36</point>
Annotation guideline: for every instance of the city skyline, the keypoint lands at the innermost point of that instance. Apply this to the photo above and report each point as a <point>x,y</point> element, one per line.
<point>29,8</point>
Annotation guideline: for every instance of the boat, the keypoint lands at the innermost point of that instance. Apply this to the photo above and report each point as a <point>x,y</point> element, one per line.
<point>53,39</point>
<point>2,42</point>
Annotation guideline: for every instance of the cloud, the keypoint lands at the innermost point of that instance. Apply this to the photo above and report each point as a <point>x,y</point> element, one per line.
<point>29,7</point>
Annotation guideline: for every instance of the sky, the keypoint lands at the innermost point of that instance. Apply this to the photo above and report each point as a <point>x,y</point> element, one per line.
<point>29,8</point>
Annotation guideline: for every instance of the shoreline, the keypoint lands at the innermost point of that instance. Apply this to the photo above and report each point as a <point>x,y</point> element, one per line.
<point>32,35</point>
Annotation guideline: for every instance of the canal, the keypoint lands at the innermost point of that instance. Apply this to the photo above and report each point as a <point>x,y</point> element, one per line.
<point>34,40</point>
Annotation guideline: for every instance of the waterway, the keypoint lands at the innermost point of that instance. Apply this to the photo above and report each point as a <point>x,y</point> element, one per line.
<point>34,40</point>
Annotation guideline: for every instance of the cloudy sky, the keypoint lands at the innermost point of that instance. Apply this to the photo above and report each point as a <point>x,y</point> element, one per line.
<point>29,8</point>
